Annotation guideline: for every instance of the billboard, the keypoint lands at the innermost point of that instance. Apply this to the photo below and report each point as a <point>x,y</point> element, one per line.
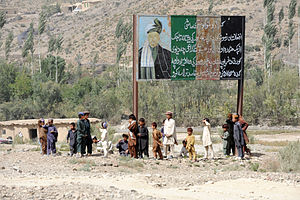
<point>185,47</point>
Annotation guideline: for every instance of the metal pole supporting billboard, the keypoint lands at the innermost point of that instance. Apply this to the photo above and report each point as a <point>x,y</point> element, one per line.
<point>134,68</point>
<point>241,80</point>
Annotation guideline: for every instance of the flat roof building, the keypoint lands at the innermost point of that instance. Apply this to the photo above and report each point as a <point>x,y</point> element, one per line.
<point>29,128</point>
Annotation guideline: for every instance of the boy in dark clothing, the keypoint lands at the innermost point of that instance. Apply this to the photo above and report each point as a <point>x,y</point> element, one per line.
<point>72,136</point>
<point>143,139</point>
<point>238,136</point>
<point>81,135</point>
<point>123,146</point>
<point>231,145</point>
<point>89,141</point>
<point>183,152</point>
<point>51,138</point>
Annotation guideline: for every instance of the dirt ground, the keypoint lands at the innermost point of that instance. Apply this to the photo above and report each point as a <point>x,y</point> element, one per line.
<point>26,174</point>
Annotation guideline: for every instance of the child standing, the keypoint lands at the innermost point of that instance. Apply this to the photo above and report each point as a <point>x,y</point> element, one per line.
<point>225,137</point>
<point>51,138</point>
<point>157,135</point>
<point>104,139</point>
<point>190,142</point>
<point>72,136</point>
<point>143,139</point>
<point>133,131</point>
<point>42,135</point>
<point>81,135</point>
<point>206,138</point>
<point>238,136</point>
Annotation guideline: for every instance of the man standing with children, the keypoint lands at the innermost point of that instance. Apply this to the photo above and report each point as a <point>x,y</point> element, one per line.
<point>170,138</point>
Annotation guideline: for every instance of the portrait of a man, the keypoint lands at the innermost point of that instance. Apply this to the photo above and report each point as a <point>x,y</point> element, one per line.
<point>154,60</point>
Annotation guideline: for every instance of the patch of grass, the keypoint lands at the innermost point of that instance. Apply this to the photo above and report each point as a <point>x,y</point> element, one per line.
<point>273,149</point>
<point>36,149</point>
<point>273,143</point>
<point>270,165</point>
<point>64,147</point>
<point>233,167</point>
<point>82,161</point>
<point>172,166</point>
<point>86,168</point>
<point>270,132</point>
<point>197,165</point>
<point>289,157</point>
<point>18,140</point>
<point>254,166</point>
<point>130,163</point>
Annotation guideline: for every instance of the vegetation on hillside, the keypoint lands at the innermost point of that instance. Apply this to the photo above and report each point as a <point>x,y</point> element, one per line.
<point>48,87</point>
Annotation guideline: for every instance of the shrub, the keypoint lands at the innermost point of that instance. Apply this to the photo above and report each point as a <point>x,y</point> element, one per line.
<point>289,157</point>
<point>254,166</point>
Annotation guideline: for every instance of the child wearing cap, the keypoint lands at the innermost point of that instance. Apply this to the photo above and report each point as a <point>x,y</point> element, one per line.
<point>156,135</point>
<point>225,137</point>
<point>104,139</point>
<point>72,136</point>
<point>190,144</point>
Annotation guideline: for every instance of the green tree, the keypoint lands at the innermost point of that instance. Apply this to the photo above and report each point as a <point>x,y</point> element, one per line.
<point>123,33</point>
<point>292,9</point>
<point>53,66</point>
<point>8,43</point>
<point>58,48</point>
<point>2,19</point>
<point>47,97</point>
<point>22,87</point>
<point>291,14</point>
<point>29,45</point>
<point>8,73</point>
<point>211,6</point>
<point>41,29</point>
<point>281,15</point>
<point>268,38</point>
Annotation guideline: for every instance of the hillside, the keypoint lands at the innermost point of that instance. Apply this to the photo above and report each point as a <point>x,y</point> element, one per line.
<point>90,34</point>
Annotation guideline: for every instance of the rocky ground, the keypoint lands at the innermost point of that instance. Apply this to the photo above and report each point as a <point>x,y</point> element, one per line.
<point>25,174</point>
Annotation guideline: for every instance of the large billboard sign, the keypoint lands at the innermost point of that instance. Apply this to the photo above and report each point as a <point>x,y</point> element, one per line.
<point>187,47</point>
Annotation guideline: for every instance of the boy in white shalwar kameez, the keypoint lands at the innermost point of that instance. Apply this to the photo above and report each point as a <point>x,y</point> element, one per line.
<point>206,139</point>
<point>104,145</point>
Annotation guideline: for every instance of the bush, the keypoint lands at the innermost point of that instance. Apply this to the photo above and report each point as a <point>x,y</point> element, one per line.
<point>289,157</point>
<point>254,166</point>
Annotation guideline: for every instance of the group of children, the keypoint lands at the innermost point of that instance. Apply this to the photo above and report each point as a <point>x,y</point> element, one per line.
<point>78,138</point>
<point>189,142</point>
<point>234,139</point>
<point>136,142</point>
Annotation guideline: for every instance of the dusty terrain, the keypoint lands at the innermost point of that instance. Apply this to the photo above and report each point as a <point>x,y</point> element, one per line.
<point>25,174</point>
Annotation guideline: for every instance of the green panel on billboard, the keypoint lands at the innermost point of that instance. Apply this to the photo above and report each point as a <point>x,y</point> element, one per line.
<point>183,47</point>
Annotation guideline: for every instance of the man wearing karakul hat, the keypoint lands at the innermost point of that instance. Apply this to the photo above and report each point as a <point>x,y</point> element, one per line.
<point>154,60</point>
